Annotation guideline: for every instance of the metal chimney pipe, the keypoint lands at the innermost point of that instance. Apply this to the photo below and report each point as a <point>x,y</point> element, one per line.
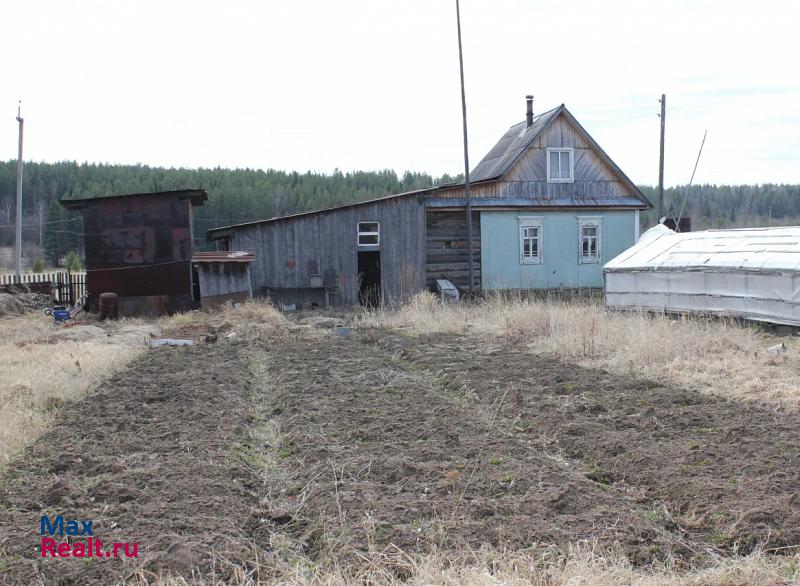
<point>529,113</point>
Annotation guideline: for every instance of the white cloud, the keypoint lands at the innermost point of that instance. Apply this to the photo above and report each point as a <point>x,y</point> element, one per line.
<point>369,84</point>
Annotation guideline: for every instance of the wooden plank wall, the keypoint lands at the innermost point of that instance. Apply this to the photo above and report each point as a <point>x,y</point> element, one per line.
<point>540,190</point>
<point>221,278</point>
<point>528,177</point>
<point>289,251</point>
<point>446,246</point>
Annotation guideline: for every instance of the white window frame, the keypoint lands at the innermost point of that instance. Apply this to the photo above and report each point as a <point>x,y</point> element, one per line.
<point>376,233</point>
<point>571,178</point>
<point>531,222</point>
<point>590,222</point>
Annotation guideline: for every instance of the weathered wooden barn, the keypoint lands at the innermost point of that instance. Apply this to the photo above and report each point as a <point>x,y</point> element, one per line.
<point>549,209</point>
<point>140,247</point>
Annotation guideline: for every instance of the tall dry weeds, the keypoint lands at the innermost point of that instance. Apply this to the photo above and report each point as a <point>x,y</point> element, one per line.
<point>714,355</point>
<point>253,319</point>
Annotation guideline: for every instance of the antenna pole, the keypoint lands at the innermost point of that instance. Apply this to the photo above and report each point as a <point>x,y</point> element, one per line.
<point>470,262</point>
<point>18,250</point>
<point>661,161</point>
<point>691,181</point>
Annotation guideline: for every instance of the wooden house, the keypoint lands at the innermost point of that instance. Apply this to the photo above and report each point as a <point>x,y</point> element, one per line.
<point>549,209</point>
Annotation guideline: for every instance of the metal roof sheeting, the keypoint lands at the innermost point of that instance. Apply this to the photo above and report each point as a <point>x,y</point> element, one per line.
<point>511,146</point>
<point>750,249</point>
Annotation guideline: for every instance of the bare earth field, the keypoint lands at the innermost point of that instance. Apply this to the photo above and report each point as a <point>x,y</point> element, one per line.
<point>288,453</point>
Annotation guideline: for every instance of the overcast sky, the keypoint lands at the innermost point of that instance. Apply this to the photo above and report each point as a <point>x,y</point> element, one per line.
<point>373,84</point>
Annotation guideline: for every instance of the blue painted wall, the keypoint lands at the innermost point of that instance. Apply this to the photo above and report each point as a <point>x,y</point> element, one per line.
<point>500,254</point>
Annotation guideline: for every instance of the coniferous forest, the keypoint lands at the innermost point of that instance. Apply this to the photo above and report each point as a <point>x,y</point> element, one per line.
<point>237,195</point>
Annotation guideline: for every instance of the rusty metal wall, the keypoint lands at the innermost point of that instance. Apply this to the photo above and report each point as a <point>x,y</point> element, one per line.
<point>140,246</point>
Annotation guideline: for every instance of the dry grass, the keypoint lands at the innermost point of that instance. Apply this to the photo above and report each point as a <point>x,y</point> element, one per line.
<point>41,372</point>
<point>253,319</point>
<point>580,565</point>
<point>718,356</point>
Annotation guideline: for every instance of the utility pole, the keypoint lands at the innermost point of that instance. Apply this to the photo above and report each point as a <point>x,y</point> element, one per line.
<point>18,256</point>
<point>470,264</point>
<point>661,162</point>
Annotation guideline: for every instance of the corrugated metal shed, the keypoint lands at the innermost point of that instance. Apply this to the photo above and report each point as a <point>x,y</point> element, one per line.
<point>753,273</point>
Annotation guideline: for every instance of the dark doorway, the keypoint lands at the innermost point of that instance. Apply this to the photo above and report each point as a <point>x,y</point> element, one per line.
<point>195,287</point>
<point>369,278</point>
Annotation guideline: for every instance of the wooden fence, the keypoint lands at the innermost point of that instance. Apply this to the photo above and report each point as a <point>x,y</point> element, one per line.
<point>65,287</point>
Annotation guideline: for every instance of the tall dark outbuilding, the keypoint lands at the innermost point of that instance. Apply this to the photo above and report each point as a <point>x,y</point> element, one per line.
<point>140,247</point>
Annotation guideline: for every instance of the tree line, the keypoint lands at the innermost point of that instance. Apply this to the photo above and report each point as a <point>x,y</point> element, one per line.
<point>729,206</point>
<point>235,195</point>
<point>238,195</point>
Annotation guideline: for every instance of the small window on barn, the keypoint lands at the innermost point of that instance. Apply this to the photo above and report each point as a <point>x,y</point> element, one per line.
<point>560,166</point>
<point>530,240</point>
<point>369,233</point>
<point>589,240</point>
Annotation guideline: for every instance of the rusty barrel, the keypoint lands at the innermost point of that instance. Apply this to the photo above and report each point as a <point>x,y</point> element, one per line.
<point>108,305</point>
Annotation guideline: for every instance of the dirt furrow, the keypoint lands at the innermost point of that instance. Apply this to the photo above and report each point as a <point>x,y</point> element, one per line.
<point>724,474</point>
<point>387,454</point>
<point>150,459</point>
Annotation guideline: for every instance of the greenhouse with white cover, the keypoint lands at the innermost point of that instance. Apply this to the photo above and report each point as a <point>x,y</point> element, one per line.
<point>750,273</point>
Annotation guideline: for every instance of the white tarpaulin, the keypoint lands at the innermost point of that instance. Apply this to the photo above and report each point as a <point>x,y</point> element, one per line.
<point>752,273</point>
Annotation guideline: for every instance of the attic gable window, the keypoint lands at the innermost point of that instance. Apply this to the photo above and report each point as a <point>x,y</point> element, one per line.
<point>589,240</point>
<point>560,167</point>
<point>369,233</point>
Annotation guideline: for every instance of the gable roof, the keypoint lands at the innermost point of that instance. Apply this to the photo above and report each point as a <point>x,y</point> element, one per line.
<point>518,138</point>
<point>510,147</point>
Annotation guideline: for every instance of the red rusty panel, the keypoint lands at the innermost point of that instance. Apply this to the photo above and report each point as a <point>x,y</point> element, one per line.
<point>181,242</point>
<point>167,279</point>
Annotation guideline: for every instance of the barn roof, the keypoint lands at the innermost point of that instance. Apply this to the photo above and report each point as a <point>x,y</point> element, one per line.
<point>212,232</point>
<point>197,197</point>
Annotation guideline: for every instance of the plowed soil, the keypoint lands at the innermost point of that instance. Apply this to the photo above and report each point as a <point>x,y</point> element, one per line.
<point>350,450</point>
